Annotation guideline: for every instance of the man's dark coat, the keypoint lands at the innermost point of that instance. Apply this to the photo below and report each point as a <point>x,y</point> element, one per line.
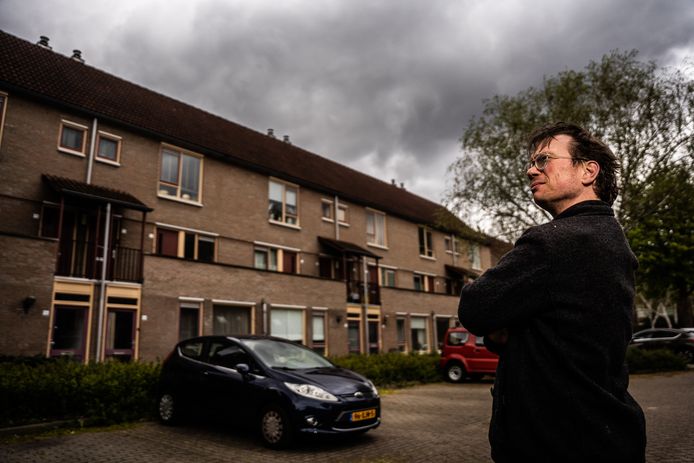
<point>565,292</point>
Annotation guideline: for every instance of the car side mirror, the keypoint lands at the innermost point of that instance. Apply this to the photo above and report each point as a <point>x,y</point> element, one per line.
<point>243,368</point>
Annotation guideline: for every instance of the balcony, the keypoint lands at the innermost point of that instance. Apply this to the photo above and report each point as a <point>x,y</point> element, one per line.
<point>82,259</point>
<point>355,293</point>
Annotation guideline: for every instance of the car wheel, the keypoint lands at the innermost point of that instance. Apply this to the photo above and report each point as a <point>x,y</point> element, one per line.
<point>168,409</point>
<point>275,428</point>
<point>455,372</point>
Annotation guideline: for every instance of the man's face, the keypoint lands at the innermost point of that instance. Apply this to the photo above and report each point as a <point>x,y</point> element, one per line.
<point>557,186</point>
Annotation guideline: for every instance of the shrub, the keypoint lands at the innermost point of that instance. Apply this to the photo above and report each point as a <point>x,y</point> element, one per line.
<point>394,369</point>
<point>104,393</point>
<point>643,360</point>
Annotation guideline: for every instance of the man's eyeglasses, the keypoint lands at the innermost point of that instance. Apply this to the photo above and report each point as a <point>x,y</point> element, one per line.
<point>541,160</point>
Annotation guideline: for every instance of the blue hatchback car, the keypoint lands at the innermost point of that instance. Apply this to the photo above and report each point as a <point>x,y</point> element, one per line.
<point>282,388</point>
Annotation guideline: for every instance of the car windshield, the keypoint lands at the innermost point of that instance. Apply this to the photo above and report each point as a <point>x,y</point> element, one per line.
<point>277,354</point>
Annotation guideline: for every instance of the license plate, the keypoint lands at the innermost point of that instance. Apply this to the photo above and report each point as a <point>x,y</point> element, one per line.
<point>364,414</point>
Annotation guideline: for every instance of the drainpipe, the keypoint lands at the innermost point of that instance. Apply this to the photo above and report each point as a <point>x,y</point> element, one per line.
<point>364,311</point>
<point>263,304</point>
<point>102,284</point>
<point>337,225</point>
<point>92,150</point>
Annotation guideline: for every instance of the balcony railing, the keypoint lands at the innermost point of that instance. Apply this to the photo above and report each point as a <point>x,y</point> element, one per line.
<point>82,259</point>
<point>355,292</point>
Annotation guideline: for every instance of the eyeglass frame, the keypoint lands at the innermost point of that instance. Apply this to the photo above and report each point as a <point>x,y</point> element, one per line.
<point>548,157</point>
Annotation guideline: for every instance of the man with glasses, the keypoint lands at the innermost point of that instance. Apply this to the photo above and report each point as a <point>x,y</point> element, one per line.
<point>558,310</point>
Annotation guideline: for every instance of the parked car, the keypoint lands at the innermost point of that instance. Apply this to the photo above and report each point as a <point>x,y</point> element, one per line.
<point>464,356</point>
<point>281,388</point>
<point>680,341</point>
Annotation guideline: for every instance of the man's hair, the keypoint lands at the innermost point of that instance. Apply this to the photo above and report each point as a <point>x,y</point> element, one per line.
<point>583,147</point>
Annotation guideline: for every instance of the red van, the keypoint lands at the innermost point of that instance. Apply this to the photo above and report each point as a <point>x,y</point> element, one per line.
<point>464,356</point>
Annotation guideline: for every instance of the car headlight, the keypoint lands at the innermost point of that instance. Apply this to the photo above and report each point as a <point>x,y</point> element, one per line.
<point>311,391</point>
<point>373,388</point>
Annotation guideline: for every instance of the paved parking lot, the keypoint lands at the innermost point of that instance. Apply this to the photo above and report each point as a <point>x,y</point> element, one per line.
<point>432,423</point>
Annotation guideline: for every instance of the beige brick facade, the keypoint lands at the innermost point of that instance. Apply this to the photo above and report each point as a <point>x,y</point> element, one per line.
<point>232,213</point>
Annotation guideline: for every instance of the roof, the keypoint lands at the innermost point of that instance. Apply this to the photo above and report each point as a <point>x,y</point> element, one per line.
<point>37,72</point>
<point>462,271</point>
<point>345,247</point>
<point>79,189</point>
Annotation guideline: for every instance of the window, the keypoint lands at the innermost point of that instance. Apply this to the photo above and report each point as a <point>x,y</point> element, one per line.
<point>231,320</point>
<point>72,138</point>
<point>188,321</point>
<point>402,339</point>
<point>425,242</point>
<point>452,244</point>
<point>228,355</point>
<point>474,256</point>
<point>287,324</point>
<point>318,332</point>
<point>283,205</point>
<point>192,349</point>
<point>3,105</point>
<point>180,175</point>
<point>442,325</point>
<point>423,282</point>
<point>327,212</point>
<point>275,259</point>
<point>266,259</point>
<point>108,148</point>
<point>186,244</point>
<point>418,334</point>
<point>388,277</point>
<point>375,228</point>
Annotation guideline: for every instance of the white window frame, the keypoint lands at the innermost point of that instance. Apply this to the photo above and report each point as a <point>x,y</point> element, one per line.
<point>383,270</point>
<point>111,137</point>
<point>179,196</point>
<point>284,219</point>
<point>279,253</point>
<point>474,255</point>
<point>425,232</point>
<point>75,126</point>
<point>285,307</point>
<point>369,236</point>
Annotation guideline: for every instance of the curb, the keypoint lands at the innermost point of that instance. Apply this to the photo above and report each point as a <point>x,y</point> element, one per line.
<point>38,428</point>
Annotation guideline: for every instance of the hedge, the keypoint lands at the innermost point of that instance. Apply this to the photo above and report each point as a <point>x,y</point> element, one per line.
<point>646,361</point>
<point>103,393</point>
<point>394,369</point>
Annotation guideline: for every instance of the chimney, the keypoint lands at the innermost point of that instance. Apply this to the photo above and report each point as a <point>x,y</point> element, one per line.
<point>402,185</point>
<point>77,56</point>
<point>286,139</point>
<point>43,42</point>
<point>271,133</point>
<point>392,181</point>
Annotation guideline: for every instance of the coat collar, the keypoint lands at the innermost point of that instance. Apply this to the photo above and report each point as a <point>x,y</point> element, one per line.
<point>593,207</point>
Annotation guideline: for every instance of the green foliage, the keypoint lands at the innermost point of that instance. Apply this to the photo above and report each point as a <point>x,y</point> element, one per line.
<point>644,113</point>
<point>394,369</point>
<point>645,361</point>
<point>112,392</point>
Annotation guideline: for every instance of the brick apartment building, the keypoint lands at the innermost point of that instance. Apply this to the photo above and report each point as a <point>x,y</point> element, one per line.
<point>130,220</point>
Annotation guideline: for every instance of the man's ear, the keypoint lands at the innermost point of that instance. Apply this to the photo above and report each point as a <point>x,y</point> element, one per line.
<point>591,169</point>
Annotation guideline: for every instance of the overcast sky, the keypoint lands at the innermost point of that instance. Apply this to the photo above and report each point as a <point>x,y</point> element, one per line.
<point>385,87</point>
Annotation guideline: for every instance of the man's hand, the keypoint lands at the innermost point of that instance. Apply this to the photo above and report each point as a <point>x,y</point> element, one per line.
<point>499,336</point>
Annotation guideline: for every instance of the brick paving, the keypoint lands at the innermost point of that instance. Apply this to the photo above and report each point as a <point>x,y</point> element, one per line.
<point>432,423</point>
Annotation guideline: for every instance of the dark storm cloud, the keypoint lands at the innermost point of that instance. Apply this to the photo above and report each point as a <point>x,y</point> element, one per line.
<point>386,87</point>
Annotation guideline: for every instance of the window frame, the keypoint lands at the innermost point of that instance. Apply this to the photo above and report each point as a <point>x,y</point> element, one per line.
<point>425,237</point>
<point>182,233</point>
<point>475,255</point>
<point>3,110</point>
<point>190,306</point>
<point>320,346</point>
<point>333,214</point>
<point>279,251</point>
<point>110,137</point>
<point>179,196</point>
<point>285,186</point>
<point>383,271</point>
<point>64,123</point>
<point>374,213</point>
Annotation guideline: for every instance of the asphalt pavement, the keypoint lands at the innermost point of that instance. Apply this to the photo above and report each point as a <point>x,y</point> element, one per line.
<point>431,423</point>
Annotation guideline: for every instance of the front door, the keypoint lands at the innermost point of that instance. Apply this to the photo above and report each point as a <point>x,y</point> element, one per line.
<point>69,332</point>
<point>373,336</point>
<point>120,334</point>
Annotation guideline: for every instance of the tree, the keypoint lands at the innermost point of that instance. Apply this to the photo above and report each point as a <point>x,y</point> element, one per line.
<point>644,113</point>
<point>664,240</point>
